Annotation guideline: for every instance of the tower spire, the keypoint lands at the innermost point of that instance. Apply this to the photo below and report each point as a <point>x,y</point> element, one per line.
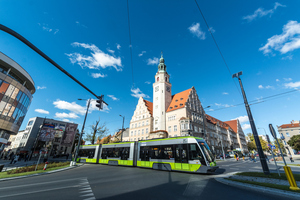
<point>161,66</point>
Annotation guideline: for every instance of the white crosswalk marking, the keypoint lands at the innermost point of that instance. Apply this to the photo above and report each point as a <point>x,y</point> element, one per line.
<point>86,191</point>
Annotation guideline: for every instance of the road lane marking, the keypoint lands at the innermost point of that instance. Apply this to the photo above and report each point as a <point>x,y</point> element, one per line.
<point>37,191</point>
<point>40,183</point>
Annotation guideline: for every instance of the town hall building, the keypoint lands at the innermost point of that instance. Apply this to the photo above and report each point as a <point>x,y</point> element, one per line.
<point>181,114</point>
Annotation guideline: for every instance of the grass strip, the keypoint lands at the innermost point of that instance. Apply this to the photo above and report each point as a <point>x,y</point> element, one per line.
<point>5,175</point>
<point>272,175</point>
<point>270,185</point>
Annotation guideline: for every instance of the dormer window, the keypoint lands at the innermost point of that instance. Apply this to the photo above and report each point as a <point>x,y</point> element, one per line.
<point>181,104</point>
<point>171,107</point>
<point>176,100</point>
<point>176,106</point>
<point>181,98</point>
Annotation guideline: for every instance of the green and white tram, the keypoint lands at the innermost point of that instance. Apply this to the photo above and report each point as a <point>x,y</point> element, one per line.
<point>187,154</point>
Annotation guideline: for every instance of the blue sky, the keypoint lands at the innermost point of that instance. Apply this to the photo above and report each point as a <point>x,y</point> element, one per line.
<point>90,40</point>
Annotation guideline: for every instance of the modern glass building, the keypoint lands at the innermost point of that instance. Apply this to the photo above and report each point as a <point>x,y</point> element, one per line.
<point>16,90</point>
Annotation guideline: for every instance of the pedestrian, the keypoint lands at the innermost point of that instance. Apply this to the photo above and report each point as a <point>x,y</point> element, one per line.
<point>243,155</point>
<point>237,156</point>
<point>26,157</point>
<point>16,158</point>
<point>253,158</point>
<point>291,158</point>
<point>67,156</point>
<point>12,157</point>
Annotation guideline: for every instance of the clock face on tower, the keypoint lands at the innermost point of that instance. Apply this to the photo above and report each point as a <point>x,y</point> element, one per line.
<point>168,89</point>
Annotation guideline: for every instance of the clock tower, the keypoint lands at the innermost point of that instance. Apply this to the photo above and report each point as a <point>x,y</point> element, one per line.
<point>161,96</point>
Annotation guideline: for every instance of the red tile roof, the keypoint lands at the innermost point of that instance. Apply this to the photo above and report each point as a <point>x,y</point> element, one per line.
<point>292,125</point>
<point>149,106</point>
<point>233,124</point>
<point>179,100</point>
<point>215,121</point>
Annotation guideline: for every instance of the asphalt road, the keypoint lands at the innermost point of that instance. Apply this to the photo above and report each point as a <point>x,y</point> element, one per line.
<point>115,182</point>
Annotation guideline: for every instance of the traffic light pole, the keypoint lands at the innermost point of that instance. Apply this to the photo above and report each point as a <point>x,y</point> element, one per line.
<point>79,141</point>
<point>253,128</point>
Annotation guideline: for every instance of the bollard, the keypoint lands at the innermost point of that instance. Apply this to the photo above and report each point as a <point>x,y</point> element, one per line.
<point>46,163</point>
<point>290,177</point>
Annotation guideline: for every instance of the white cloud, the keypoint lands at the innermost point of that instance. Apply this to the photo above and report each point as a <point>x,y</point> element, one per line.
<point>73,107</point>
<point>223,105</point>
<point>212,30</point>
<point>138,93</point>
<point>42,111</point>
<point>290,57</point>
<point>287,41</point>
<point>141,54</point>
<point>79,24</point>
<point>97,60</point>
<point>261,87</point>
<point>211,109</point>
<point>66,115</point>
<point>260,12</point>
<point>277,80</point>
<point>148,82</point>
<point>195,30</point>
<point>153,61</point>
<point>242,119</point>
<point>110,51</point>
<point>292,85</point>
<point>270,87</point>
<point>45,27</point>
<point>118,46</point>
<point>97,75</point>
<point>246,126</point>
<point>287,79</point>
<point>225,93</point>
<point>67,120</point>
<point>41,87</point>
<point>113,97</point>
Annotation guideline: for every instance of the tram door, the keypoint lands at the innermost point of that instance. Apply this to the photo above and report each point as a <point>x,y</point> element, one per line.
<point>181,157</point>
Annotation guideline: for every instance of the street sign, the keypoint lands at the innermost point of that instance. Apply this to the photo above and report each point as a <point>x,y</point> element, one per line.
<point>273,147</point>
<point>272,130</point>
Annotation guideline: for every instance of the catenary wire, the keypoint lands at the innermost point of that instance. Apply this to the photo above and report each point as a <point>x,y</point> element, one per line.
<point>130,43</point>
<point>261,100</point>
<point>209,29</point>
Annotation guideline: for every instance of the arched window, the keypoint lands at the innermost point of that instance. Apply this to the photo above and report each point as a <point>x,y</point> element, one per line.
<point>166,79</point>
<point>157,79</point>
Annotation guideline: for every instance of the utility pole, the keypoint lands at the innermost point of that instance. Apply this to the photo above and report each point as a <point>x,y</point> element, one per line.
<point>79,141</point>
<point>253,128</point>
<point>122,127</point>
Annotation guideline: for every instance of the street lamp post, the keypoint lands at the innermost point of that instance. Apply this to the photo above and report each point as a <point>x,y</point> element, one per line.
<point>122,127</point>
<point>204,119</point>
<point>79,141</point>
<point>253,127</point>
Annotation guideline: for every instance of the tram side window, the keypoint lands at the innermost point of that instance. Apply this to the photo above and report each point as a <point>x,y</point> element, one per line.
<point>122,152</point>
<point>167,152</point>
<point>89,153</point>
<point>195,153</point>
<point>144,153</point>
<point>155,152</point>
<point>181,155</point>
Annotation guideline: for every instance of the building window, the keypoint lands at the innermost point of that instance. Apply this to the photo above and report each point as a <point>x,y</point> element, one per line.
<point>175,128</point>
<point>156,121</point>
<point>142,131</point>
<point>138,132</point>
<point>182,127</point>
<point>196,128</point>
<point>30,123</point>
<point>287,135</point>
<point>139,124</point>
<point>169,129</point>
<point>147,122</point>
<point>157,79</point>
<point>142,123</point>
<point>146,130</point>
<point>135,125</point>
<point>134,133</point>
<point>131,133</point>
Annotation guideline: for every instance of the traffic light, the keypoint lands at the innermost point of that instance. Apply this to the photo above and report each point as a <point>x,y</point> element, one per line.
<point>100,102</point>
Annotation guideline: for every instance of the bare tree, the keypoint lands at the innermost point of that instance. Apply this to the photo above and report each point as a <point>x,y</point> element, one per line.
<point>98,131</point>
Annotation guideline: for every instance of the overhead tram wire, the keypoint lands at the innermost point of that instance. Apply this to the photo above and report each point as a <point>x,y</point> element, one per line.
<point>130,44</point>
<point>209,29</point>
<point>262,100</point>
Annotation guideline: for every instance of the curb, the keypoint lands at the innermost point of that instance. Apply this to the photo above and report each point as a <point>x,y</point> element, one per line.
<point>262,189</point>
<point>43,173</point>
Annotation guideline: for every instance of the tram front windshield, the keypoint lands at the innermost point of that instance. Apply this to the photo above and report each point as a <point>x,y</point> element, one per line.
<point>205,149</point>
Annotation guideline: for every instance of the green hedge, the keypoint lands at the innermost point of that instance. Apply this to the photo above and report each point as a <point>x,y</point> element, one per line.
<point>40,167</point>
